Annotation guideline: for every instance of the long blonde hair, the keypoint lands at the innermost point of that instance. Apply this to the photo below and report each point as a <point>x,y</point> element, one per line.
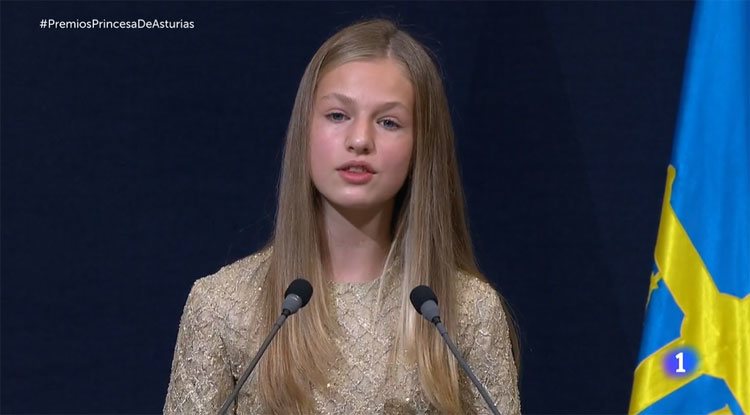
<point>429,230</point>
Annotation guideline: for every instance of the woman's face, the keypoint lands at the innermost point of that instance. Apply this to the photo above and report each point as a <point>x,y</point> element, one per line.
<point>361,133</point>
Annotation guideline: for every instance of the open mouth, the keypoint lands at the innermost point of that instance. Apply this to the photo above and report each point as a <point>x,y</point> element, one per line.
<point>357,167</point>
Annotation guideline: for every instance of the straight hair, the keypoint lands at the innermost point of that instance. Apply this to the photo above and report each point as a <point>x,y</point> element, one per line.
<point>431,241</point>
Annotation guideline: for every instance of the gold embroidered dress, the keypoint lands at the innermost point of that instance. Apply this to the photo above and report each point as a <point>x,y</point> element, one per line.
<point>218,337</point>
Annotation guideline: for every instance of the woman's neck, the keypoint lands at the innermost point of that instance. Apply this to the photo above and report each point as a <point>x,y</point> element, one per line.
<point>358,242</point>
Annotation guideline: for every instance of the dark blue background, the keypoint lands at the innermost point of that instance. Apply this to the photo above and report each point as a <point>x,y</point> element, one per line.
<point>136,161</point>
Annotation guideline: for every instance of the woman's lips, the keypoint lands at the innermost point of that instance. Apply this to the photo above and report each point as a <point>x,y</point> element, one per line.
<point>355,177</point>
<point>356,172</point>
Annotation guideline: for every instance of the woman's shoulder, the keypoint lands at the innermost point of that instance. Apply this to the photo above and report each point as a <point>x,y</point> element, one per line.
<point>233,284</point>
<point>480,307</point>
<point>242,270</point>
<point>486,340</point>
<point>476,295</point>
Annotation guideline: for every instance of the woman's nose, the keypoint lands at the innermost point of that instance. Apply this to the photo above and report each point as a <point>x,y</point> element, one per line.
<point>360,138</point>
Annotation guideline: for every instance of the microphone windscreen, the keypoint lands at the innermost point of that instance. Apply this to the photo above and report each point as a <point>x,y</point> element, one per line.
<point>302,289</point>
<point>421,294</point>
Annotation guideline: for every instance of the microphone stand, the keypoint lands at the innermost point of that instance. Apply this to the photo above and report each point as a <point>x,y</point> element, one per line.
<point>482,390</point>
<point>276,326</point>
<point>425,302</point>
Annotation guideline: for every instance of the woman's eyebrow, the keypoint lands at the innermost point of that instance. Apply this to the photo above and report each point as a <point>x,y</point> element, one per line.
<point>350,101</point>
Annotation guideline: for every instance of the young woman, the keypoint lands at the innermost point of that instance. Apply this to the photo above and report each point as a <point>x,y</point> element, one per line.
<point>370,206</point>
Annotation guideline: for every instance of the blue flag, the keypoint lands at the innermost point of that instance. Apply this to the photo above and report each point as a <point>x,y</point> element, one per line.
<point>695,351</point>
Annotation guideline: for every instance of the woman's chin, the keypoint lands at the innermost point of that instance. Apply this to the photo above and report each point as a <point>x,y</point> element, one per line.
<point>359,205</point>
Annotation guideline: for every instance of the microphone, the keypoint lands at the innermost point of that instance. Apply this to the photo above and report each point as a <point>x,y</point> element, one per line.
<point>296,296</point>
<point>425,302</point>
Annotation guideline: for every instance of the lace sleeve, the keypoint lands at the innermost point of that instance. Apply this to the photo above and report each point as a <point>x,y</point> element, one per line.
<point>201,376</point>
<point>486,341</point>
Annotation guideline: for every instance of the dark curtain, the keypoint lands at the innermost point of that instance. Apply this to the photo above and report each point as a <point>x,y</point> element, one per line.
<point>136,161</point>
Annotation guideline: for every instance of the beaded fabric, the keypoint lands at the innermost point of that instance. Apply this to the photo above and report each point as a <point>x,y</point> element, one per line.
<point>218,337</point>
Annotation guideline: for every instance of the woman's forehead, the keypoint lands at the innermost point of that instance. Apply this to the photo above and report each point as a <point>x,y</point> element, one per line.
<point>367,80</point>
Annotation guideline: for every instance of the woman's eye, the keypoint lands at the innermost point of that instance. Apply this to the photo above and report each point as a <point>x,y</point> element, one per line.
<point>390,124</point>
<point>336,116</point>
